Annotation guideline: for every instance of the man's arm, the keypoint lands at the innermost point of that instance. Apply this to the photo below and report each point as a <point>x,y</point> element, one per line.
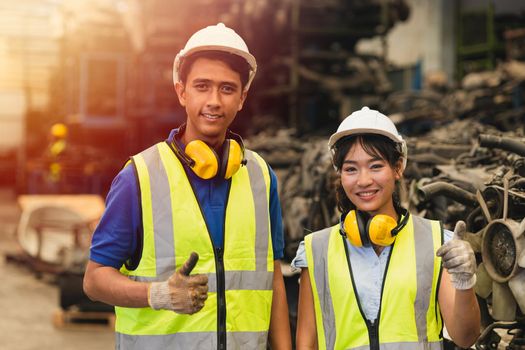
<point>113,242</point>
<point>280,335</point>
<point>182,292</point>
<point>107,284</point>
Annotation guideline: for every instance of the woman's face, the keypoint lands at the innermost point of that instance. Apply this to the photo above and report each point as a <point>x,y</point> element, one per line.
<point>369,181</point>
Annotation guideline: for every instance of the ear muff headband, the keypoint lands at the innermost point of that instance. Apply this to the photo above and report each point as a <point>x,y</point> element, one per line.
<point>225,150</point>
<point>203,159</point>
<point>405,214</point>
<point>362,226</point>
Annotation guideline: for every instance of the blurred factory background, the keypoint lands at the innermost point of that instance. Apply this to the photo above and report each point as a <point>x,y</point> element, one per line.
<point>86,84</point>
<point>103,68</point>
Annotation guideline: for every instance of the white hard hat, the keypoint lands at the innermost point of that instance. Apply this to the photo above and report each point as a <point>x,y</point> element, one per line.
<point>216,38</point>
<point>369,121</point>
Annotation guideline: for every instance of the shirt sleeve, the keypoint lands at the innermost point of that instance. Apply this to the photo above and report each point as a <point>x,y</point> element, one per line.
<point>276,220</point>
<point>299,261</point>
<point>447,235</point>
<point>115,238</point>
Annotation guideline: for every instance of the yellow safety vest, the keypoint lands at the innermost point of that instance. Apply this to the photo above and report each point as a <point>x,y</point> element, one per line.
<point>240,276</point>
<point>409,316</point>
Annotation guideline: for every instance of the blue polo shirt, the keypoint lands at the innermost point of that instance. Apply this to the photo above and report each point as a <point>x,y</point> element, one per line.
<point>117,235</point>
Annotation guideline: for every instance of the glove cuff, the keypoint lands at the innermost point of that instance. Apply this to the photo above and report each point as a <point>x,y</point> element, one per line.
<point>464,282</point>
<point>159,296</point>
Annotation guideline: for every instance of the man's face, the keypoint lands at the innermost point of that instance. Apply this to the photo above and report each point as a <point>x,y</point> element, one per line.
<point>212,96</point>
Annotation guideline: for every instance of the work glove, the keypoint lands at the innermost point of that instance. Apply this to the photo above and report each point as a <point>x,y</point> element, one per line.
<point>458,258</point>
<point>181,293</point>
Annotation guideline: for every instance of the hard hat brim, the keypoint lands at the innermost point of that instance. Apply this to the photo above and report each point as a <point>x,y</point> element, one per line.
<point>339,135</point>
<point>184,54</point>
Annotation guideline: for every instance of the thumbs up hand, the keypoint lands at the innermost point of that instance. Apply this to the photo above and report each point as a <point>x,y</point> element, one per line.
<point>458,258</point>
<point>181,293</point>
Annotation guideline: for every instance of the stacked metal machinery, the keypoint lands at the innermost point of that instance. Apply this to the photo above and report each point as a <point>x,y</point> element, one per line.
<point>471,166</point>
<point>309,70</point>
<point>485,186</point>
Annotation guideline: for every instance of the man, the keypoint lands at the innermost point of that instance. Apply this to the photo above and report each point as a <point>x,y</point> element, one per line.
<point>199,203</point>
<point>55,152</point>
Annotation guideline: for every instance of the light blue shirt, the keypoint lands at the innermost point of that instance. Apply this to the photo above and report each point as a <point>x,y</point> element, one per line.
<point>368,269</point>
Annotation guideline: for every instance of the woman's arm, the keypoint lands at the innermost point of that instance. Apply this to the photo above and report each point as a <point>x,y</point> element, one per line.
<point>306,328</point>
<point>460,312</point>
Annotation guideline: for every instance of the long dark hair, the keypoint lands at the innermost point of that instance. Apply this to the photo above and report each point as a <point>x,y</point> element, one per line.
<point>376,146</point>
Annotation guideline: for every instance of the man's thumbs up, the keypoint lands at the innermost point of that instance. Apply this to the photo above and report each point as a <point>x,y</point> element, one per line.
<point>181,293</point>
<point>458,258</point>
<point>188,266</point>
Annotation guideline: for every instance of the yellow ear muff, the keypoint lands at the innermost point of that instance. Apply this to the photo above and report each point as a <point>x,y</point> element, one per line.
<point>380,229</point>
<point>206,161</point>
<point>234,159</point>
<point>351,228</point>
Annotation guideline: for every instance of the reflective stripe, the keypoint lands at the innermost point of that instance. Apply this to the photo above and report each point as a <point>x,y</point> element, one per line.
<point>192,340</point>
<point>249,280</point>
<point>320,256</point>
<point>424,247</point>
<point>245,340</point>
<point>234,280</point>
<point>161,204</point>
<point>259,191</point>
<point>405,346</point>
<point>411,346</point>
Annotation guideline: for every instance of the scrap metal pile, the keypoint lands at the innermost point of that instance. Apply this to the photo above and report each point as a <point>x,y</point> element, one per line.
<point>466,162</point>
<point>307,62</point>
<point>495,98</point>
<point>470,166</point>
<point>480,181</point>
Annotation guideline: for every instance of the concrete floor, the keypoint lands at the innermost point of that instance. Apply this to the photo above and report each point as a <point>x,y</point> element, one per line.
<point>28,304</point>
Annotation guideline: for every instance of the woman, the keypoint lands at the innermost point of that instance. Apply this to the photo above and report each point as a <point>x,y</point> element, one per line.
<point>376,279</point>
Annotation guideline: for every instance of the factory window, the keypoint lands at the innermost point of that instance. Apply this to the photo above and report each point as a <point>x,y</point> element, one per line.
<point>102,88</point>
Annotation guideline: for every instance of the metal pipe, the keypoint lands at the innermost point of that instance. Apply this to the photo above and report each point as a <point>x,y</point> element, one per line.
<point>441,188</point>
<point>480,343</point>
<point>520,183</point>
<point>504,143</point>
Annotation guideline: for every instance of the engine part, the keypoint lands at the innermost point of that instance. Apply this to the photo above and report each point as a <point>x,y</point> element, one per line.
<point>443,188</point>
<point>501,247</point>
<point>505,143</point>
